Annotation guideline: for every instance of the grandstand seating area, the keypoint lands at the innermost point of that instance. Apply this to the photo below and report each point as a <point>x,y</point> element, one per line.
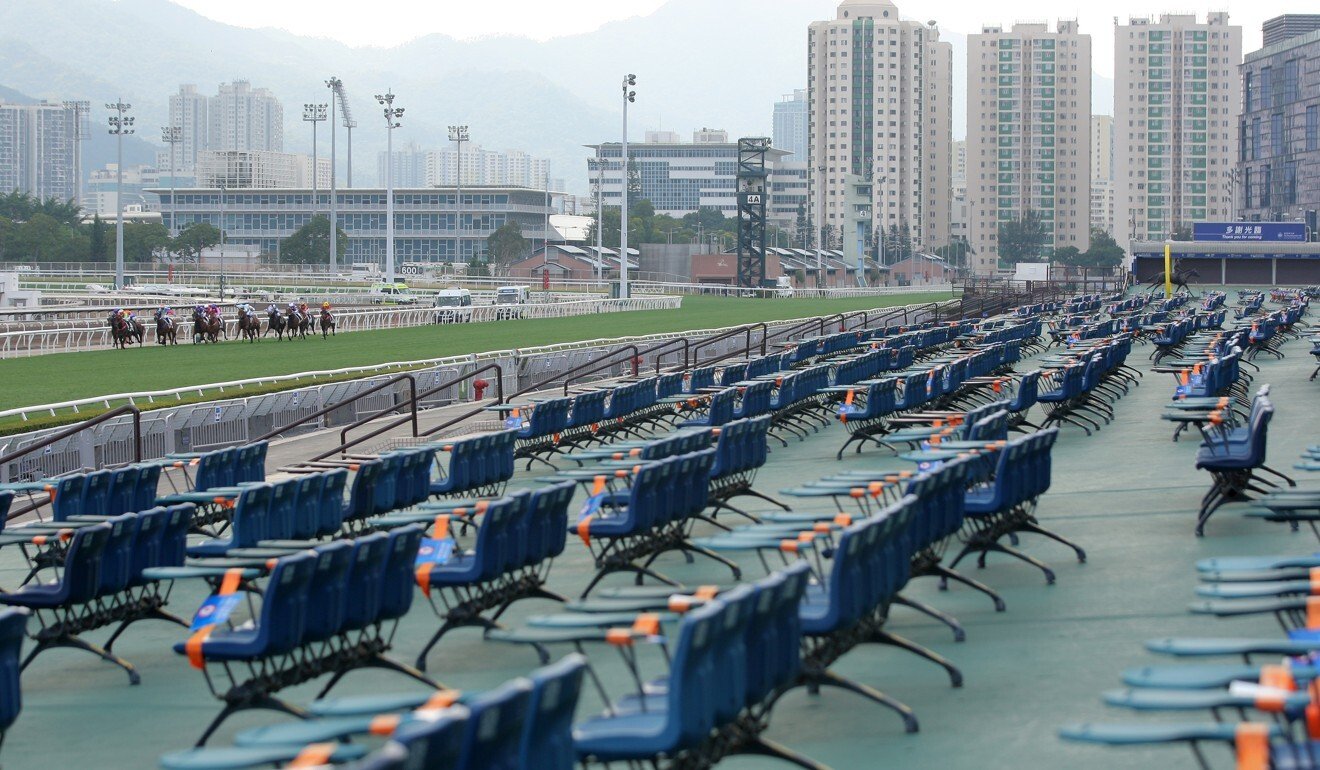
<point>689,568</point>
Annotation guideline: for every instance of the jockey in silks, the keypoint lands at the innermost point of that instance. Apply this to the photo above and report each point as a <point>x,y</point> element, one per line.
<point>302,308</point>
<point>293,308</point>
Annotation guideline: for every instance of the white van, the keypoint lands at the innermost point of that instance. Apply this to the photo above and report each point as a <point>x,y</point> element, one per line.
<point>453,306</point>
<point>507,299</point>
<point>392,294</point>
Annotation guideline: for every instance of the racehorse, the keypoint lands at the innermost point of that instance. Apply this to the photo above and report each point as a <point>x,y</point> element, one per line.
<point>275,323</point>
<point>167,332</point>
<point>206,327</point>
<point>249,326</point>
<point>1180,278</point>
<point>298,323</point>
<point>124,330</point>
<point>327,323</point>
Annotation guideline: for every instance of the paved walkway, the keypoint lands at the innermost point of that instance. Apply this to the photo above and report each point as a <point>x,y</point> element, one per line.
<point>1128,495</point>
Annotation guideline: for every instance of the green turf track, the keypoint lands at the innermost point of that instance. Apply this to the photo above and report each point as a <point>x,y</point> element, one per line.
<point>68,376</point>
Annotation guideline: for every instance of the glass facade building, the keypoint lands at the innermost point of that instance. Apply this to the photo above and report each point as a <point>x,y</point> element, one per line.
<point>1278,168</point>
<point>425,219</point>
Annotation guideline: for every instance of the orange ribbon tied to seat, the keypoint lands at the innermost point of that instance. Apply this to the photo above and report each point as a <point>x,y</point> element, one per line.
<point>1313,612</point>
<point>315,755</point>
<point>228,585</point>
<point>584,526</point>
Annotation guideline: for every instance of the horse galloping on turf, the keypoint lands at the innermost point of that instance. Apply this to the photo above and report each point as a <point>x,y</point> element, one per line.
<point>167,331</point>
<point>327,324</point>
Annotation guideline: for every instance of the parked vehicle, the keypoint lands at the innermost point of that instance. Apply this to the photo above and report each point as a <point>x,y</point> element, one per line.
<point>508,300</point>
<point>392,294</point>
<point>453,306</point>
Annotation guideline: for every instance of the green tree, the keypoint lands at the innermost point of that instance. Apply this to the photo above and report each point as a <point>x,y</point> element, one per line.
<point>142,239</point>
<point>197,236</point>
<point>42,238</point>
<point>1023,239</point>
<point>1104,251</point>
<point>7,230</point>
<point>1068,255</point>
<point>99,245</point>
<point>507,244</point>
<point>310,244</point>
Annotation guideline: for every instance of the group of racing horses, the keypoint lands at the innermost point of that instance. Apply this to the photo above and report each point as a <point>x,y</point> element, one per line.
<point>208,325</point>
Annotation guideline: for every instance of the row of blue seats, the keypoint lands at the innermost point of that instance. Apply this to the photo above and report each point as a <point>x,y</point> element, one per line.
<point>1276,703</point>
<point>105,492</point>
<point>330,609</point>
<point>104,576</point>
<point>516,538</point>
<point>523,724</point>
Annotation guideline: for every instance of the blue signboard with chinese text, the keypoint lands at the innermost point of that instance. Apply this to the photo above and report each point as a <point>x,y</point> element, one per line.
<point>1291,232</point>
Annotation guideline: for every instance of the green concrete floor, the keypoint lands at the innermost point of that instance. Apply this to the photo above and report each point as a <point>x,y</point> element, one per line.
<point>1127,494</point>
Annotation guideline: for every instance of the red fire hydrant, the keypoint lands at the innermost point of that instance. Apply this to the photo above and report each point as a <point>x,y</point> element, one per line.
<point>637,366</point>
<point>479,388</point>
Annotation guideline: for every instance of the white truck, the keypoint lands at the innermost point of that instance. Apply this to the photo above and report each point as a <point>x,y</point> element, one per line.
<point>508,301</point>
<point>453,306</point>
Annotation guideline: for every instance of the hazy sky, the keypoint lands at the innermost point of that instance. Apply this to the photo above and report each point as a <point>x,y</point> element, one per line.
<point>391,22</point>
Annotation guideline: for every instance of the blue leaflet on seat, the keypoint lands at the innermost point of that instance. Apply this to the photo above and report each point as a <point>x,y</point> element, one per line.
<point>216,609</point>
<point>435,551</point>
<point>515,421</point>
<point>591,506</point>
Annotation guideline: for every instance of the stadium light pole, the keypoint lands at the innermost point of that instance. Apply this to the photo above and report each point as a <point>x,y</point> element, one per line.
<point>392,115</point>
<point>120,124</point>
<point>172,135</point>
<point>334,84</point>
<point>598,165</point>
<point>629,96</point>
<point>314,113</point>
<point>458,135</point>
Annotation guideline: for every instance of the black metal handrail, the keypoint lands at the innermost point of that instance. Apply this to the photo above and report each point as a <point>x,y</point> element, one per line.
<point>412,403</point>
<point>74,430</point>
<point>412,382</point>
<point>745,329</point>
<point>499,396</point>
<point>638,359</point>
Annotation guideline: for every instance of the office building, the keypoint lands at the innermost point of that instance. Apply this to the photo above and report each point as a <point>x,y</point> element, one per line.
<point>787,210</point>
<point>1177,100</point>
<point>791,124</point>
<point>677,177</point>
<point>38,150</point>
<point>1288,26</point>
<point>255,169</point>
<point>880,100</point>
<point>1028,137</point>
<point>1278,170</point>
<point>424,218</point>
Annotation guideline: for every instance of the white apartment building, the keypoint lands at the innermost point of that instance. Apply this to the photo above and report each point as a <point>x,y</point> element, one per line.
<point>254,169</point>
<point>38,150</point>
<point>1102,173</point>
<point>1028,135</point>
<point>502,168</point>
<point>880,101</point>
<point>1177,99</point>
<point>245,118</point>
<point>238,117</point>
<point>188,111</point>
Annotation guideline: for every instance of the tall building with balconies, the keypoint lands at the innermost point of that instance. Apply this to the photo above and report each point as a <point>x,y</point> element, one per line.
<point>880,101</point>
<point>790,121</point>
<point>1028,137</point>
<point>1177,99</point>
<point>38,150</point>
